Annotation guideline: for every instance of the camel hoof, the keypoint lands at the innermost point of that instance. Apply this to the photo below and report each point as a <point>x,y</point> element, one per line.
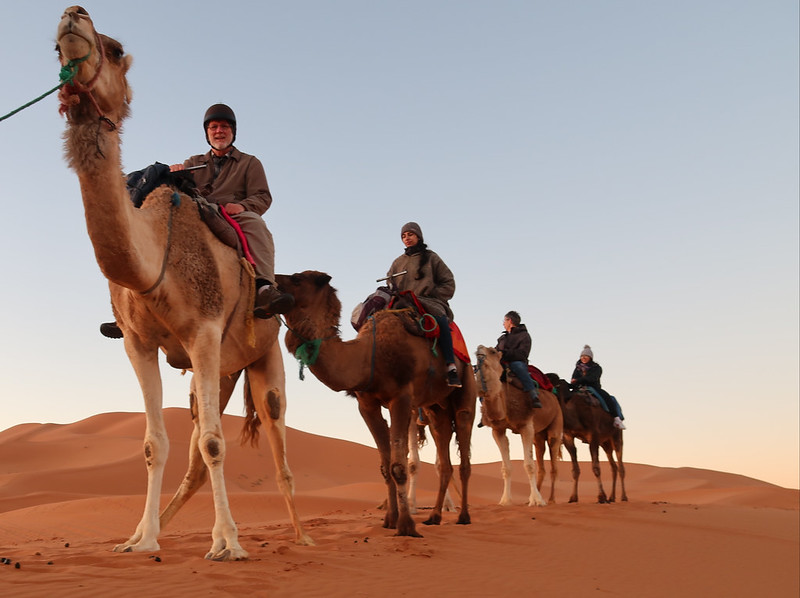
<point>138,547</point>
<point>227,554</point>
<point>464,519</point>
<point>306,540</point>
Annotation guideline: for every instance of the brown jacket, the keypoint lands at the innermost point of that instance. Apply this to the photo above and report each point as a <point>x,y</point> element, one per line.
<point>434,288</point>
<point>241,180</point>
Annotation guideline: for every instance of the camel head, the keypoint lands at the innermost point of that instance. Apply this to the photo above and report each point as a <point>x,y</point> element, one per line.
<point>488,372</point>
<point>315,300</point>
<point>100,87</point>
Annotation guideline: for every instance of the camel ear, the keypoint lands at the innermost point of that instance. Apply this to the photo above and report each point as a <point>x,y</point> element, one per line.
<point>322,279</point>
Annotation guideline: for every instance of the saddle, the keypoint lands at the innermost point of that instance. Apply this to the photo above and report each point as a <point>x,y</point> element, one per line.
<point>538,376</point>
<point>426,325</point>
<point>592,397</point>
<point>141,182</point>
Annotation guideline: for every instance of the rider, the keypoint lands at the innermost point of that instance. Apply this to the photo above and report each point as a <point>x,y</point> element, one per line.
<point>423,272</point>
<point>587,373</point>
<point>237,182</point>
<point>515,346</point>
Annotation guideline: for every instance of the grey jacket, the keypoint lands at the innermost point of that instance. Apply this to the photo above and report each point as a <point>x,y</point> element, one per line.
<point>434,288</point>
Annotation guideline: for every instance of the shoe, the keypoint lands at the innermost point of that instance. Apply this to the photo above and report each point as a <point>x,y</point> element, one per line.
<point>452,379</point>
<point>534,397</point>
<point>270,301</point>
<point>110,330</point>
<point>618,423</point>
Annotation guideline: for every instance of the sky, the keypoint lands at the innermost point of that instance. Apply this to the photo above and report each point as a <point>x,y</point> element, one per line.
<point>623,173</point>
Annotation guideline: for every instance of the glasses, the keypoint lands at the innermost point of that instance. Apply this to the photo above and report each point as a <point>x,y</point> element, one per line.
<point>219,127</point>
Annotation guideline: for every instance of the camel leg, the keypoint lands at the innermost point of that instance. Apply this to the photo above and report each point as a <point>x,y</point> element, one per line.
<point>464,425</point>
<point>400,414</point>
<point>609,450</point>
<point>569,444</point>
<point>371,413</point>
<point>413,463</point>
<point>535,498</point>
<point>624,497</point>
<point>554,446</point>
<point>268,387</point>
<point>195,475</point>
<point>594,450</point>
<point>501,440</point>
<point>441,430</point>
<point>206,362</point>
<point>156,446</point>
<point>540,444</point>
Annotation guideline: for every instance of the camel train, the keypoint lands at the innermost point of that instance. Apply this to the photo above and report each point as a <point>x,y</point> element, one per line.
<point>199,313</point>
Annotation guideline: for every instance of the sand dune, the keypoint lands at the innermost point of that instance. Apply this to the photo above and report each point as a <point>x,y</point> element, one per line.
<point>69,493</point>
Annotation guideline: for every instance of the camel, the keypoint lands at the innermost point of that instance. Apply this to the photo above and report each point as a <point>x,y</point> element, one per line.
<point>506,407</point>
<point>173,287</point>
<point>586,420</point>
<point>389,364</point>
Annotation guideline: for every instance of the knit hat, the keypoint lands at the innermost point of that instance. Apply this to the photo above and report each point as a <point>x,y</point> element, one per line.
<point>587,350</point>
<point>412,227</point>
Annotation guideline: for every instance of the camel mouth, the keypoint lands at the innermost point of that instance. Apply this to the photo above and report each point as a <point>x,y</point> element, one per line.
<point>75,35</point>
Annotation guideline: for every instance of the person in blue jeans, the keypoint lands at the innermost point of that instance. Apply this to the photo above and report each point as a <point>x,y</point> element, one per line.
<point>587,373</point>
<point>515,346</point>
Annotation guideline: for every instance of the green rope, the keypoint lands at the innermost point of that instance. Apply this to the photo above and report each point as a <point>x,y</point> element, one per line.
<point>431,329</point>
<point>307,354</point>
<point>67,74</point>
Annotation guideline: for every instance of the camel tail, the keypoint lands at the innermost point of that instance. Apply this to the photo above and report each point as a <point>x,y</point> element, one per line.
<point>421,437</point>
<point>252,423</point>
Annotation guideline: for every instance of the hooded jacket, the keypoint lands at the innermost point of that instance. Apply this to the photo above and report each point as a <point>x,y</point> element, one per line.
<point>516,344</point>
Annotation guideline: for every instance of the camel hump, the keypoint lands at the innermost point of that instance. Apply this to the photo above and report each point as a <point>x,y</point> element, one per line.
<point>141,182</point>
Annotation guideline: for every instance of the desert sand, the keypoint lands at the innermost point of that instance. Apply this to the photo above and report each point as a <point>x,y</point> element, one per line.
<point>69,493</point>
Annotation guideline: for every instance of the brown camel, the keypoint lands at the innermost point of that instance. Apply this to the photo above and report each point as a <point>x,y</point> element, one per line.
<point>506,407</point>
<point>387,365</point>
<point>173,287</point>
<point>586,420</point>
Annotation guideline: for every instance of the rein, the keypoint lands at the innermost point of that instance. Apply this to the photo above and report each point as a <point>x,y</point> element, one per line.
<point>176,201</point>
<point>479,367</point>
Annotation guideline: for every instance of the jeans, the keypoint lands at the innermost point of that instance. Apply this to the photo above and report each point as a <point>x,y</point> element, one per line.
<point>520,370</point>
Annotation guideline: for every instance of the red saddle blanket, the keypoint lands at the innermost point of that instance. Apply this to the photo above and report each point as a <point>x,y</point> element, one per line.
<point>542,380</point>
<point>460,346</point>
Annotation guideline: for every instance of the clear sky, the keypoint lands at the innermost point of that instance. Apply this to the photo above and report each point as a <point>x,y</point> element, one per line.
<point>624,173</point>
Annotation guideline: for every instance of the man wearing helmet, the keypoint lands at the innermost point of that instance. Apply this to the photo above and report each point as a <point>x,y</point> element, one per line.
<point>237,182</point>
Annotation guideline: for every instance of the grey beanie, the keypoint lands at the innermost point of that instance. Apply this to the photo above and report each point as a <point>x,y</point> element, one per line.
<point>587,350</point>
<point>411,227</point>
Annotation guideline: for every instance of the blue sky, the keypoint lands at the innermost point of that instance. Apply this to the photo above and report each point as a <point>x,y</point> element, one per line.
<point>622,173</point>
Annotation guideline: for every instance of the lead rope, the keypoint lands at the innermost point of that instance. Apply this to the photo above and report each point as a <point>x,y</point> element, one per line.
<point>66,76</point>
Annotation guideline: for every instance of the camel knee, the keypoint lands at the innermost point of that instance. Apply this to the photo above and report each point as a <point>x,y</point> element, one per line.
<point>274,404</point>
<point>399,474</point>
<point>212,448</point>
<point>155,453</point>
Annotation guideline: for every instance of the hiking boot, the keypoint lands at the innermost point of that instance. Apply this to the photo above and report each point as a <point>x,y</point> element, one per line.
<point>534,398</point>
<point>452,379</point>
<point>270,301</point>
<point>618,423</point>
<point>110,330</point>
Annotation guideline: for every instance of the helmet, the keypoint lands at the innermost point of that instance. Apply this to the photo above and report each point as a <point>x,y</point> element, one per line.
<point>219,112</point>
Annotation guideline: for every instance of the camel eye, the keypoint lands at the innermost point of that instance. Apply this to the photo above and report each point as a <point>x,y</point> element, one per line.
<point>82,11</point>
